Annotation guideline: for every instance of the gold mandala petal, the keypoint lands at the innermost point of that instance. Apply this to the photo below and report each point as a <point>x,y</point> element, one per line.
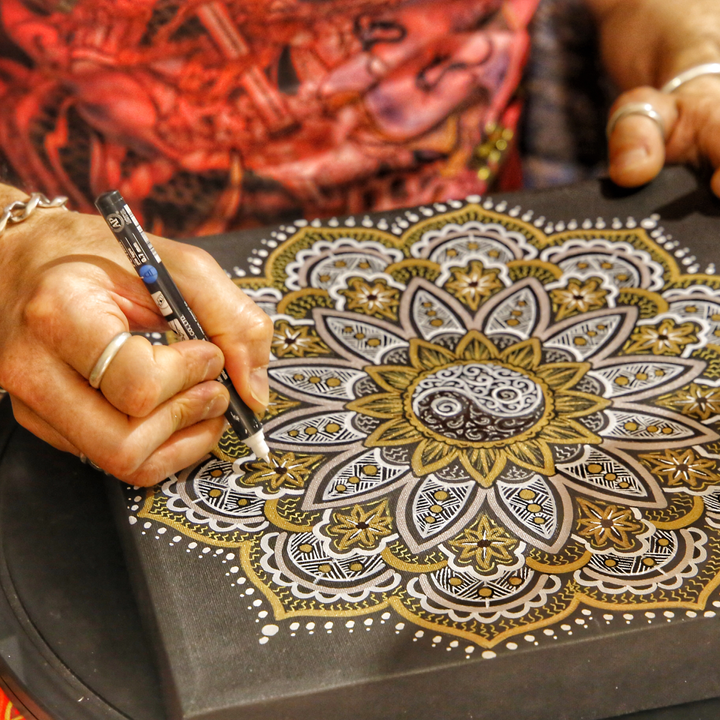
<point>565,430</point>
<point>397,431</point>
<point>562,375</point>
<point>573,403</point>
<point>430,456</point>
<point>385,406</point>
<point>534,455</point>
<point>475,346</point>
<point>484,465</point>
<point>526,354</point>
<point>393,378</point>
<point>427,356</point>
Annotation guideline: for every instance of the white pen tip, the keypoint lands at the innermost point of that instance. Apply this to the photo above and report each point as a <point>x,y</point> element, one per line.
<point>258,445</point>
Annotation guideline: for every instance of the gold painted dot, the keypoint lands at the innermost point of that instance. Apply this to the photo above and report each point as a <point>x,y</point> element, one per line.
<point>652,428</point>
<point>215,493</point>
<point>493,254</point>
<point>717,333</point>
<point>427,304</point>
<point>451,252</point>
<point>534,507</point>
<point>622,380</point>
<point>606,265</point>
<point>314,379</point>
<point>430,519</point>
<point>517,313</point>
<point>580,341</point>
<point>659,372</point>
<point>242,502</point>
<point>715,317</point>
<point>436,508</point>
<point>591,333</point>
<point>359,336</point>
<point>364,265</point>
<point>216,473</point>
<point>663,542</point>
<point>373,342</point>
<point>431,313</point>
<point>332,427</point>
<point>340,263</point>
<point>623,485</point>
<point>298,377</point>
<point>512,322</point>
<point>356,566</point>
<point>454,581</point>
<point>305,547</point>
<point>667,430</point>
<point>690,309</point>
<point>485,592</point>
<point>582,265</point>
<point>440,495</point>
<point>324,568</point>
<point>354,480</point>
<point>348,329</point>
<point>610,477</point>
<point>609,562</point>
<point>310,430</point>
<point>594,468</point>
<point>630,426</point>
<point>539,520</point>
<point>648,561</point>
<point>333,382</point>
<point>341,488</point>
<point>622,277</point>
<point>324,278</point>
<point>522,303</point>
<point>293,433</point>
<point>370,469</point>
<point>527,494</point>
<point>515,581</point>
<point>641,376</point>
<point>436,323</point>
<point>472,246</point>
<point>602,327</point>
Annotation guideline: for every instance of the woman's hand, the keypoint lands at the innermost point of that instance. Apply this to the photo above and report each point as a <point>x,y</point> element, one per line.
<point>67,290</point>
<point>646,43</point>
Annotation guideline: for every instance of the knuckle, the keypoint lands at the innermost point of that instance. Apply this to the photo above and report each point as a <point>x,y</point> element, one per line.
<point>257,326</point>
<point>149,473</point>
<point>42,310</point>
<point>139,397</point>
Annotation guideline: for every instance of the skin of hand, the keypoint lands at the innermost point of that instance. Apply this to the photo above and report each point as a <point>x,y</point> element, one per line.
<point>67,290</point>
<point>645,43</point>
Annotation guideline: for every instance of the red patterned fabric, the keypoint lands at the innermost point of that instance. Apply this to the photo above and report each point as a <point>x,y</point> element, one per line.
<point>7,709</point>
<point>227,113</point>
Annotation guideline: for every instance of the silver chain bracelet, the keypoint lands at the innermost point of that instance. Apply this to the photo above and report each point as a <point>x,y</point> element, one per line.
<point>20,210</point>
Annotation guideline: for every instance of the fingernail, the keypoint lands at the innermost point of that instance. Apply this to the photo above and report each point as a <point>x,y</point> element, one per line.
<point>259,386</point>
<point>214,367</point>
<point>630,159</point>
<point>217,406</point>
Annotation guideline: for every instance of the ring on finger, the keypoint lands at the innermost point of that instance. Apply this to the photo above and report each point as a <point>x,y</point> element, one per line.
<point>87,461</point>
<point>106,357</point>
<point>635,108</point>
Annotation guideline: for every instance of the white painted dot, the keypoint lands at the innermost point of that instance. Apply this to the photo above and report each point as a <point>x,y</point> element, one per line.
<point>350,624</point>
<point>250,591</point>
<point>177,539</point>
<point>608,616</point>
<point>709,614</point>
<point>230,556</point>
<point>310,626</point>
<point>400,626</point>
<point>511,646</point>
<point>137,498</point>
<point>234,569</point>
<point>219,551</point>
<point>489,655</point>
<point>241,581</point>
<point>328,625</point>
<point>454,643</point>
<point>419,634</point>
<point>529,638</point>
<point>628,616</point>
<point>257,603</point>
<point>206,550</point>
<point>669,614</point>
<point>548,632</point>
<point>716,603</point>
<point>566,627</point>
<point>147,525</point>
<point>579,621</point>
<point>295,626</point>
<point>263,640</point>
<point>587,612</point>
<point>263,614</point>
<point>134,508</point>
<point>192,545</point>
<point>385,616</point>
<point>132,519</point>
<point>691,614</point>
<point>650,615</point>
<point>369,622</point>
<point>437,639</point>
<point>470,649</point>
<point>270,630</point>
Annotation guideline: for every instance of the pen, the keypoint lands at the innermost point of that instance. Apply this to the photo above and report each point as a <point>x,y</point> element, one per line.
<point>172,305</point>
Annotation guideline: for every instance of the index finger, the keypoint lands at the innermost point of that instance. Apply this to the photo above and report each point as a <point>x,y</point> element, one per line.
<point>229,317</point>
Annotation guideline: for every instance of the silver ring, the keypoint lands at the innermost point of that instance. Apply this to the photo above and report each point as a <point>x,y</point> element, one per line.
<point>87,461</point>
<point>690,74</point>
<point>636,108</point>
<point>103,362</point>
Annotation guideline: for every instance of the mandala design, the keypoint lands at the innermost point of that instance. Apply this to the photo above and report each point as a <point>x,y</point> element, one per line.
<point>477,424</point>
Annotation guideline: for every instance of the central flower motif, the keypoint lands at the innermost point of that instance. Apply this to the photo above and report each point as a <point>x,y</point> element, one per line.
<point>480,406</point>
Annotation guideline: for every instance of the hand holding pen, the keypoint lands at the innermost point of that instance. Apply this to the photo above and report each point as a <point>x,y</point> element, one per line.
<point>67,291</point>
